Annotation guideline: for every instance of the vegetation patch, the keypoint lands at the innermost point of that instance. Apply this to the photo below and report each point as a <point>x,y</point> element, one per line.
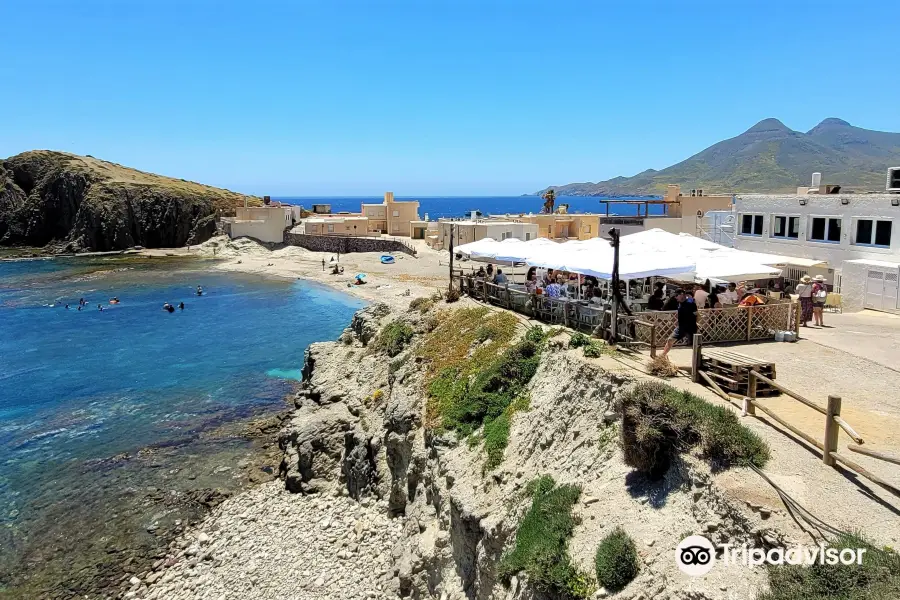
<point>877,578</point>
<point>541,548</point>
<point>394,338</point>
<point>596,349</point>
<point>660,421</point>
<point>661,366</point>
<point>422,304</point>
<point>616,561</point>
<point>578,340</point>
<point>476,374</point>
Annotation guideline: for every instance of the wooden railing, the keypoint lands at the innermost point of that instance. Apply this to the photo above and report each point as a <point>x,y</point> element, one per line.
<point>649,328</point>
<point>834,423</point>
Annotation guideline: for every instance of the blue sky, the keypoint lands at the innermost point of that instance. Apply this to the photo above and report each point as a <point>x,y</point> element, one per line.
<point>430,97</point>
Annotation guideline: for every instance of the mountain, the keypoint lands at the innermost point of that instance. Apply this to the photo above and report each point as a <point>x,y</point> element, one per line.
<point>769,157</point>
<point>72,203</point>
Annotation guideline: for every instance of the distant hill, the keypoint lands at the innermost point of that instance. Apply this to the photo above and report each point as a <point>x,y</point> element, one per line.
<point>769,157</point>
<point>70,203</point>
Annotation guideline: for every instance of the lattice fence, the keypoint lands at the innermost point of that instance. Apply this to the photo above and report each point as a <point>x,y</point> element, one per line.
<point>732,324</point>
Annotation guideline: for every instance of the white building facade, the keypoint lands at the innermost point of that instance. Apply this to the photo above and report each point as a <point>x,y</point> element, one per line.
<point>858,235</point>
<point>472,231</point>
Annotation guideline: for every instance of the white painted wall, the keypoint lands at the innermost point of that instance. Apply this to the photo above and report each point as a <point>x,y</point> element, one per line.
<point>869,206</point>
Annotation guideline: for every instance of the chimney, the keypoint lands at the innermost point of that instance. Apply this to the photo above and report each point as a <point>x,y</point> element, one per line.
<point>816,180</point>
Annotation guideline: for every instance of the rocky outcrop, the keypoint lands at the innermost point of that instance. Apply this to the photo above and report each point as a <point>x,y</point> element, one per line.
<point>74,203</point>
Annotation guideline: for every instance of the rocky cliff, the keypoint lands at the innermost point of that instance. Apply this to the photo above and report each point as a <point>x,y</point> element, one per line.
<point>72,203</point>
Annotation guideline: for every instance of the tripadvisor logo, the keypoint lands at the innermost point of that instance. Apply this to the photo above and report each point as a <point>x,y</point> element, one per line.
<point>696,555</point>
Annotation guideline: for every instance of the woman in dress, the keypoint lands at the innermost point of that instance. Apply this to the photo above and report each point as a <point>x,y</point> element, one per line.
<point>819,293</point>
<point>805,290</point>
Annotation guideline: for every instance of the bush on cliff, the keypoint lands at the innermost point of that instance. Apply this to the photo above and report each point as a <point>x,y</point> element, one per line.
<point>877,578</point>
<point>659,421</point>
<point>616,561</point>
<point>394,338</point>
<point>541,547</point>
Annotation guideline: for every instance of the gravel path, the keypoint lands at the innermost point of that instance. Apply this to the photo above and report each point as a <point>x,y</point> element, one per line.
<point>301,547</point>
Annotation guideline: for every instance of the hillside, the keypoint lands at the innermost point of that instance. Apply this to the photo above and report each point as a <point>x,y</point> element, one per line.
<point>71,203</point>
<point>769,157</point>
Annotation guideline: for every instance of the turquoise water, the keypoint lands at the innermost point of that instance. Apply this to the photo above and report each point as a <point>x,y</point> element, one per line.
<point>78,387</point>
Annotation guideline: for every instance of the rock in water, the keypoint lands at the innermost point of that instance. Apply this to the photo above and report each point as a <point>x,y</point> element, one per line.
<point>81,203</point>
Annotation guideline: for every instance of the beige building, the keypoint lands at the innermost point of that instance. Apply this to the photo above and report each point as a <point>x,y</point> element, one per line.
<point>681,213</point>
<point>345,225</point>
<point>562,226</point>
<point>393,217</point>
<point>472,231</point>
<point>264,223</point>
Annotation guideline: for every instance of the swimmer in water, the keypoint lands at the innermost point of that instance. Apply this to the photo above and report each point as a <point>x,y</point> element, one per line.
<point>181,306</point>
<point>79,307</point>
<point>100,307</point>
<point>199,291</point>
<point>114,300</point>
<point>67,307</point>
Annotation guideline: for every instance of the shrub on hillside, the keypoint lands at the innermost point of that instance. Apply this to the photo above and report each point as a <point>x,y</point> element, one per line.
<point>877,578</point>
<point>394,338</point>
<point>452,296</point>
<point>578,340</point>
<point>661,366</point>
<point>595,349</point>
<point>659,421</point>
<point>421,304</point>
<point>541,547</point>
<point>616,560</point>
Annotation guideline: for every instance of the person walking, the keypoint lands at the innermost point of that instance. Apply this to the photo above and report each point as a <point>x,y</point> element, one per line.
<point>323,263</point>
<point>805,290</point>
<point>819,293</point>
<point>687,321</point>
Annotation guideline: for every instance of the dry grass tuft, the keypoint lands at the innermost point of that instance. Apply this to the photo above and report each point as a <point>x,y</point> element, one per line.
<point>661,366</point>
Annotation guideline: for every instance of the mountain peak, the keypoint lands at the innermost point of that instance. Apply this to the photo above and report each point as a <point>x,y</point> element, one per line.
<point>769,126</point>
<point>830,123</point>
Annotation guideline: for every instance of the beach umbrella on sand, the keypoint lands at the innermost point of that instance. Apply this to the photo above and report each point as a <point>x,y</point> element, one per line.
<point>360,276</point>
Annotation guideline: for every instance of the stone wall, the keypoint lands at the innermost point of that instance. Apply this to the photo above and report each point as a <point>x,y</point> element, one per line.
<point>345,245</point>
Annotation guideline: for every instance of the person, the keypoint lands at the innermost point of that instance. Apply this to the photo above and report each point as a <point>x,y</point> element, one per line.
<point>687,321</point>
<point>114,300</point>
<point>100,307</point>
<point>490,270</point>
<point>597,297</point>
<point>360,280</point>
<point>819,293</point>
<point>531,281</point>
<point>79,307</point>
<point>701,294</point>
<point>554,290</point>
<point>67,307</point>
<point>181,305</point>
<point>81,302</point>
<point>671,303</point>
<point>713,300</point>
<point>804,290</point>
<point>729,297</point>
<point>752,299</point>
<point>659,285</point>
<point>656,301</point>
<point>549,278</point>
<point>480,274</point>
<point>532,274</point>
<point>323,263</point>
<point>199,291</point>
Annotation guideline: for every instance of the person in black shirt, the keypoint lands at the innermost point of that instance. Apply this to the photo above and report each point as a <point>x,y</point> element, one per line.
<point>687,321</point>
<point>656,300</point>
<point>671,303</point>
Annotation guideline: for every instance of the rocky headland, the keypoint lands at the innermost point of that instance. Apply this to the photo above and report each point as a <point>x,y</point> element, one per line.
<point>388,491</point>
<point>68,203</point>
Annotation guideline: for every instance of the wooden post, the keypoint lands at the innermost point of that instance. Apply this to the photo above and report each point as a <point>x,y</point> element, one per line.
<point>695,360</point>
<point>653,340</point>
<point>450,289</point>
<point>749,321</point>
<point>831,429</point>
<point>797,313</point>
<point>749,407</point>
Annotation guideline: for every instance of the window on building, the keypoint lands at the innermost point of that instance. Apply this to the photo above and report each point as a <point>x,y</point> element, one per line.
<point>870,232</point>
<point>786,227</point>
<point>587,228</point>
<point>751,224</point>
<point>527,236</point>
<point>396,213</point>
<point>331,229</point>
<point>825,229</point>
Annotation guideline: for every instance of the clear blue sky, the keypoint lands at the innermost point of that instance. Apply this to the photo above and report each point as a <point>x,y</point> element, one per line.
<point>430,97</point>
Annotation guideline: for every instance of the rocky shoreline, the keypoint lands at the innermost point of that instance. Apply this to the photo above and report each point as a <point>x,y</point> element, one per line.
<point>375,504</point>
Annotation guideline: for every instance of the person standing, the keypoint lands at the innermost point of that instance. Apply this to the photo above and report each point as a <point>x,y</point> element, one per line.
<point>490,270</point>
<point>729,297</point>
<point>687,321</point>
<point>805,290</point>
<point>323,263</point>
<point>701,293</point>
<point>819,293</point>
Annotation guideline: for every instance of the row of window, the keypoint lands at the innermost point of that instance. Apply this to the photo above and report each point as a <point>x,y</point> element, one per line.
<point>869,232</point>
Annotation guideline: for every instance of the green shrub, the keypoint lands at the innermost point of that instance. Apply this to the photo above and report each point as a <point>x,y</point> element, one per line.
<point>541,547</point>
<point>658,421</point>
<point>452,296</point>
<point>877,578</point>
<point>536,334</point>
<point>616,561</point>
<point>421,304</point>
<point>496,432</point>
<point>594,349</point>
<point>578,340</point>
<point>394,338</point>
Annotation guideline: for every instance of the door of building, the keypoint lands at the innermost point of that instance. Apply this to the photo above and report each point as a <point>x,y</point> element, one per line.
<point>882,290</point>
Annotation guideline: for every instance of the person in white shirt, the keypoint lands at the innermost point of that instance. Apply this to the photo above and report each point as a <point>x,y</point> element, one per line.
<point>701,293</point>
<point>729,296</point>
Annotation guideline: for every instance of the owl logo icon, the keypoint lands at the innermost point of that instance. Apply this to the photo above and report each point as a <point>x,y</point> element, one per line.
<point>695,555</point>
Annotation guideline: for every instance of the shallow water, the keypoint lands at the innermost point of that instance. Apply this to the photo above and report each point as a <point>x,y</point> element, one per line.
<point>134,381</point>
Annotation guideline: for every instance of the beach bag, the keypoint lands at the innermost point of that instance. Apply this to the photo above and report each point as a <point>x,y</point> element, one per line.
<point>821,294</point>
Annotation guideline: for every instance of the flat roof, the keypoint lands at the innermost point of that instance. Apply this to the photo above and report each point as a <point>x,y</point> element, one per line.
<point>875,263</point>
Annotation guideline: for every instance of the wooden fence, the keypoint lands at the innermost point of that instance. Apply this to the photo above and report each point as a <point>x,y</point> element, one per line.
<point>831,411</point>
<point>648,328</point>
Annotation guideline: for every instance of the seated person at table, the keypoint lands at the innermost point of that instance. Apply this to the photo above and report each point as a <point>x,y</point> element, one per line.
<point>656,301</point>
<point>596,296</point>
<point>531,281</point>
<point>729,296</point>
<point>555,290</point>
<point>671,303</point>
<point>500,278</point>
<point>480,274</point>
<point>549,278</point>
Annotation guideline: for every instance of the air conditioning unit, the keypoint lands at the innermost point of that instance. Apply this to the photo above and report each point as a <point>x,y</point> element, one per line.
<point>893,180</point>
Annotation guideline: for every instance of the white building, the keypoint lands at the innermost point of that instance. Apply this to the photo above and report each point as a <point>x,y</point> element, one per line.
<point>472,231</point>
<point>858,235</point>
<point>263,223</point>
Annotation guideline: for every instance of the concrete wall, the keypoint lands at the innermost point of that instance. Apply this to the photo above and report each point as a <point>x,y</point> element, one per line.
<point>338,226</point>
<point>869,206</point>
<point>345,245</point>
<point>853,286</point>
<point>565,226</point>
<point>264,231</point>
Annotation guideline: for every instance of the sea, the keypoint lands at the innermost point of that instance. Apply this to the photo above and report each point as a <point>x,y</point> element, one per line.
<point>116,425</point>
<point>437,207</point>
